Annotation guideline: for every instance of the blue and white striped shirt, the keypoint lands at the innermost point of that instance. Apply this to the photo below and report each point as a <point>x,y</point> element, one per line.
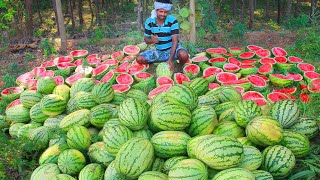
<point>164,32</point>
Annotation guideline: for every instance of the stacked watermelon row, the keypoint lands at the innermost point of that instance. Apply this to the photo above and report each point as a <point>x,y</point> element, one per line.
<point>131,125</point>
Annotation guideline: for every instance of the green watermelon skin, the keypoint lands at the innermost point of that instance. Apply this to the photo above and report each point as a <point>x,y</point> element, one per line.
<point>112,174</point>
<point>245,111</point>
<point>227,115</point>
<point>203,121</point>
<point>245,141</point>
<point>155,175</point>
<point>25,130</point>
<point>63,177</point>
<point>18,114</point>
<point>143,133</point>
<point>39,138</point>
<point>163,69</point>
<point>46,85</point>
<point>78,137</point>
<point>133,114</point>
<point>252,158</point>
<point>138,94</point>
<point>229,93</point>
<point>168,116</point>
<point>62,90</point>
<point>229,128</point>
<point>169,163</point>
<point>278,161</point>
<point>264,131</point>
<point>206,100</point>
<point>306,126</point>
<point>92,171</point>
<point>49,170</point>
<point>157,164</point>
<point>183,95</point>
<point>115,136</point>
<point>168,144</point>
<point>14,128</point>
<point>189,169</point>
<point>53,122</point>
<point>53,105</point>
<point>299,144</point>
<point>234,173</point>
<point>219,109</point>
<point>134,157</point>
<point>262,175</point>
<point>102,92</point>
<point>29,98</point>
<point>286,112</point>
<point>81,100</point>
<point>199,85</point>
<point>83,84</point>
<point>71,161</point>
<point>37,115</point>
<point>218,152</point>
<point>80,118</point>
<point>50,155</point>
<point>100,114</point>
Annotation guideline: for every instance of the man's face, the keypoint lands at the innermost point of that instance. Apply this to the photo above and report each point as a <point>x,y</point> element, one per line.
<point>162,14</point>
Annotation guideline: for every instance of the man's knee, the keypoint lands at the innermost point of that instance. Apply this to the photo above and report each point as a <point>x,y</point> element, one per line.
<point>182,54</point>
<point>141,60</point>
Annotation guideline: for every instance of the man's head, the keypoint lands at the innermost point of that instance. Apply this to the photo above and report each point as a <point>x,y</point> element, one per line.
<point>161,8</point>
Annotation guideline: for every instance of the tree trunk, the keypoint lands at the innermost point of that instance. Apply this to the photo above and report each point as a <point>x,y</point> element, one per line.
<point>297,9</point>
<point>192,20</point>
<point>234,8</point>
<point>289,9</point>
<point>80,12</point>
<point>279,11</point>
<point>242,11</point>
<point>251,12</point>
<point>63,37</point>
<point>267,9</point>
<point>55,13</point>
<point>39,13</point>
<point>71,16</point>
<point>139,20</point>
<point>96,2</point>
<point>29,19</point>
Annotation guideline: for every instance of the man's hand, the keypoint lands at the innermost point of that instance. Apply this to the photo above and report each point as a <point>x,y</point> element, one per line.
<point>154,39</point>
<point>171,65</point>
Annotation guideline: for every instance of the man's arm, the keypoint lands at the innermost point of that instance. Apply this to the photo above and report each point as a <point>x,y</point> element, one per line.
<point>151,40</point>
<point>173,47</point>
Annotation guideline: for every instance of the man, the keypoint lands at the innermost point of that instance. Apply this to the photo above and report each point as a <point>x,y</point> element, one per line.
<point>162,30</point>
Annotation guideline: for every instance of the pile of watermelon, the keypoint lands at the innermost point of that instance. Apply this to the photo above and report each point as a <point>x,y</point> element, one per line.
<point>231,114</point>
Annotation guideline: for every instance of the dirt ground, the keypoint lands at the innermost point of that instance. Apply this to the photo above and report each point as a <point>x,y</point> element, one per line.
<point>267,39</point>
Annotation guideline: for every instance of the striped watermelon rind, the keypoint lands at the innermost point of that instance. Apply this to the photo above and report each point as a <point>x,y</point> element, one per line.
<point>92,171</point>
<point>234,173</point>
<point>306,126</point>
<point>49,170</point>
<point>71,161</point>
<point>299,144</point>
<point>286,112</point>
<point>78,137</point>
<point>252,158</point>
<point>188,169</point>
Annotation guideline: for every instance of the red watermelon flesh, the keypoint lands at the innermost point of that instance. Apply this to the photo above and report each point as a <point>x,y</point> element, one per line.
<point>92,56</point>
<point>122,67</point>
<point>247,55</point>
<point>235,49</point>
<point>32,82</point>
<point>100,69</point>
<point>22,79</point>
<point>48,64</point>
<point>65,65</point>
<point>277,96</point>
<point>286,90</point>
<point>59,80</point>
<point>224,77</point>
<point>142,75</point>
<point>265,69</point>
<point>78,53</point>
<point>234,61</point>
<point>192,68</point>
<point>211,71</point>
<point>250,95</point>
<point>239,89</point>
<point>218,59</point>
<point>158,90</point>
<point>11,90</point>
<point>216,51</point>
<point>78,62</point>
<point>199,59</point>
<point>228,54</point>
<point>294,59</point>
<point>13,103</point>
<point>111,62</point>
<point>117,55</point>
<point>257,81</point>
<point>107,77</point>
<point>63,59</point>
<point>164,80</point>
<point>263,53</point>
<point>277,51</point>
<point>93,60</point>
<point>254,47</point>
<point>124,79</point>
<point>311,74</point>
<point>213,86</point>
<point>314,85</point>
<point>260,101</point>
<point>281,59</point>
<point>263,77</point>
<point>281,76</point>
<point>47,73</point>
<point>38,70</point>
<point>305,98</point>
<point>180,78</point>
<point>246,66</point>
<point>231,67</point>
<point>296,77</point>
<point>72,79</point>
<point>127,58</point>
<point>121,87</point>
<point>306,67</point>
<point>136,68</point>
<point>249,62</point>
<point>268,61</point>
<point>236,82</point>
<point>103,57</point>
<point>131,50</point>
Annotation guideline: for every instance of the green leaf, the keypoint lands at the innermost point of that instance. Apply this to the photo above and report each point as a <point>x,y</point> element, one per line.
<point>178,17</point>
<point>303,174</point>
<point>185,25</point>
<point>184,12</point>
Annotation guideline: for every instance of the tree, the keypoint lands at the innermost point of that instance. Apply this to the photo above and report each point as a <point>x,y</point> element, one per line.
<point>251,12</point>
<point>80,12</point>
<point>29,19</point>
<point>279,11</point>
<point>96,2</point>
<point>289,7</point>
<point>71,16</point>
<point>139,9</point>
<point>192,20</point>
<point>63,47</point>
<point>297,9</point>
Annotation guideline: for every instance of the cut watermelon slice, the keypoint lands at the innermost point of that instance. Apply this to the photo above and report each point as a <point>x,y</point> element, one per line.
<point>210,73</point>
<point>224,77</point>
<point>104,57</point>
<point>296,77</point>
<point>63,59</point>
<point>198,59</point>
<point>262,53</point>
<point>263,77</point>
<point>305,98</point>
<point>218,61</point>
<point>131,50</point>
<point>231,67</point>
<point>22,79</point>
<point>314,85</point>
<point>109,77</point>
<point>59,80</point>
<point>47,73</point>
<point>240,89</point>
<point>248,70</point>
<point>191,70</point>
<point>294,59</point>
<point>213,86</point>
<point>73,78</point>
<point>77,54</point>
<point>100,71</point>
<point>49,65</point>
<point>117,55</point>
<point>241,82</point>
<point>268,61</point>
<point>121,88</point>
<point>281,59</point>
<point>308,75</point>
<point>280,80</point>
<point>253,47</point>
<point>179,78</point>
<point>11,93</point>
<point>122,68</point>
<point>277,51</point>
<point>136,68</point>
<point>93,60</point>
<point>216,52</point>
<point>31,83</point>
<point>13,103</point>
<point>128,58</point>
<point>247,55</point>
<point>277,96</point>
<point>251,95</point>
<point>291,90</point>
<point>78,62</point>
<point>265,69</point>
<point>235,61</point>
<point>111,62</point>
<point>260,101</point>
<point>257,82</point>
<point>158,90</point>
<point>140,76</point>
<point>164,80</point>
<point>249,62</point>
<point>306,67</point>
<point>235,50</point>
<point>124,79</point>
<point>38,70</point>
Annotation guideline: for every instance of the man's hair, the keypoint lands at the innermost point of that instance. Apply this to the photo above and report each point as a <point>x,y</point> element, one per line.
<point>164,1</point>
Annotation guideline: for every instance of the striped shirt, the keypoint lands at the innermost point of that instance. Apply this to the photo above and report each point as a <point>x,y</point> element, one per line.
<point>164,32</point>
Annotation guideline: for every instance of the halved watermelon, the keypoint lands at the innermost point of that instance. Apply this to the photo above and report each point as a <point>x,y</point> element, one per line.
<point>216,52</point>
<point>246,84</point>
<point>136,68</point>
<point>306,67</point>
<point>277,96</point>
<point>131,50</point>
<point>11,93</point>
<point>180,78</point>
<point>164,80</point>
<point>257,82</point>
<point>158,90</point>
<point>77,54</point>
<point>250,95</point>
<point>78,62</point>
<point>31,83</point>
<point>121,88</point>
<point>23,78</point>
<point>262,53</point>
<point>240,89</point>
<point>117,55</point>
<point>253,47</point>
<point>213,86</point>
<point>268,61</point>
<point>277,51</point>
<point>314,85</point>
<point>49,65</point>
<point>63,59</point>
<point>280,80</point>
<point>290,90</point>
<point>231,67</point>
<point>124,79</point>
<point>48,73</point>
<point>294,59</point>
<point>59,80</point>
<point>296,77</point>
<point>218,61</point>
<point>111,62</point>
<point>73,78</point>
<point>109,77</point>
<point>260,101</point>
<point>281,59</point>
<point>235,61</point>
<point>128,58</point>
<point>308,75</point>
<point>248,69</point>
<point>235,50</point>
<point>100,71</point>
<point>140,76</point>
<point>38,70</point>
<point>210,73</point>
<point>263,77</point>
<point>249,62</point>
<point>122,68</point>
<point>198,59</point>
<point>191,70</point>
<point>13,103</point>
<point>247,55</point>
<point>104,57</point>
<point>265,69</point>
<point>93,60</point>
<point>224,77</point>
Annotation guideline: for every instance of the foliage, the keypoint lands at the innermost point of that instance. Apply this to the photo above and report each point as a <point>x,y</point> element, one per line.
<point>297,23</point>
<point>29,56</point>
<point>237,32</point>
<point>9,81</point>
<point>48,47</point>
<point>133,37</point>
